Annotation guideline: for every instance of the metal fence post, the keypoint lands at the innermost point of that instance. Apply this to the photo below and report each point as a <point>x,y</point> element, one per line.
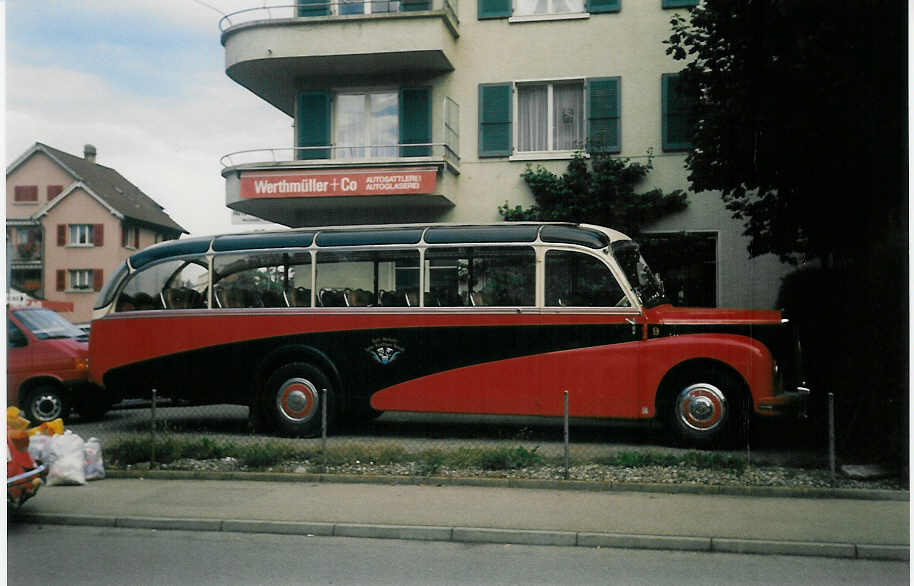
<point>152,457</point>
<point>324,427</point>
<point>831,434</point>
<point>566,435</point>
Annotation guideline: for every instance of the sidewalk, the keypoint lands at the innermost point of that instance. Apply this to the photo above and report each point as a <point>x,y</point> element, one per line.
<point>875,529</point>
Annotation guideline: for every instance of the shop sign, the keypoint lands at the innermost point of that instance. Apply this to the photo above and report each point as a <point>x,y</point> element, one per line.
<point>338,182</point>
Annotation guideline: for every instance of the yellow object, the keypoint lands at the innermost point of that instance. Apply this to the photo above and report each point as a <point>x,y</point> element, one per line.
<point>16,422</point>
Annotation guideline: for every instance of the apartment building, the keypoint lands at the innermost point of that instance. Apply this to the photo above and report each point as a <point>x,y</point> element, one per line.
<point>69,221</point>
<point>430,110</point>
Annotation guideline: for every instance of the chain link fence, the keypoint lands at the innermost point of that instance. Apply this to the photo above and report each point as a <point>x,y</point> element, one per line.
<point>168,434</point>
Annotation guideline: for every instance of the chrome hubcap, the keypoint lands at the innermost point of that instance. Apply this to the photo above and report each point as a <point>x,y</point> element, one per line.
<point>701,407</point>
<point>46,406</point>
<point>297,400</point>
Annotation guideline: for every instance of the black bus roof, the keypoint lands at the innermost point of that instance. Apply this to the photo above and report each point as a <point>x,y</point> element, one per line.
<point>327,237</point>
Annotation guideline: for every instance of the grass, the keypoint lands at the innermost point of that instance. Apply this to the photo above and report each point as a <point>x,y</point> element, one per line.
<point>263,455</point>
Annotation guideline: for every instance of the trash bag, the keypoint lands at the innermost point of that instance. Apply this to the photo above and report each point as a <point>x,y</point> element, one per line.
<point>95,469</point>
<point>66,459</point>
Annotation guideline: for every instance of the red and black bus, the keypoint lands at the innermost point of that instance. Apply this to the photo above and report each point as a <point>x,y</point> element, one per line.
<point>481,319</point>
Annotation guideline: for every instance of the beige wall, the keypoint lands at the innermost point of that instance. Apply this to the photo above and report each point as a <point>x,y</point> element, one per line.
<point>39,170</point>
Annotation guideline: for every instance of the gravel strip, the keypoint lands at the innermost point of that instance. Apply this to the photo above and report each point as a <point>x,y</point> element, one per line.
<point>775,476</point>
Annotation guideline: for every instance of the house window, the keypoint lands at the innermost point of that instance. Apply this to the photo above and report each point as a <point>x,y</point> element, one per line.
<point>366,125</point>
<point>81,235</point>
<point>679,3</point>
<point>25,194</point>
<point>557,116</point>
<point>550,116</point>
<point>79,279</point>
<point>678,117</point>
<point>130,237</point>
<point>528,7</point>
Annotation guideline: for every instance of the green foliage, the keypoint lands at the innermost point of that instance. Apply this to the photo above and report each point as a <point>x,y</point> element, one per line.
<point>801,118</point>
<point>596,189</point>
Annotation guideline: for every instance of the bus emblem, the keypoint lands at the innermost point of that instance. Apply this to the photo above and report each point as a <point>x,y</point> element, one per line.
<point>384,350</point>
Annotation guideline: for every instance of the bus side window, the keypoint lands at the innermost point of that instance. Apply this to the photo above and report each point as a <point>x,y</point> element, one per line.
<point>262,279</point>
<point>481,276</point>
<point>175,284</point>
<point>574,279</point>
<point>363,278</point>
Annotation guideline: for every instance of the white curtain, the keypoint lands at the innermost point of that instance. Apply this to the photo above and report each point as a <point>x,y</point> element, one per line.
<point>568,116</point>
<point>559,6</point>
<point>532,7</point>
<point>532,118</point>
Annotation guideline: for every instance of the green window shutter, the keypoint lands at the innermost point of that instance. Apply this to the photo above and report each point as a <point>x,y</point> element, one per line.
<point>603,5</point>
<point>679,3</point>
<point>415,121</point>
<point>415,5</point>
<point>677,119</point>
<point>313,7</point>
<point>493,9</point>
<point>313,124</point>
<point>495,130</point>
<point>603,126</point>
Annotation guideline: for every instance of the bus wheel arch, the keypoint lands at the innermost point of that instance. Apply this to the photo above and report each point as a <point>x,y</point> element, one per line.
<point>288,390</point>
<point>704,403</point>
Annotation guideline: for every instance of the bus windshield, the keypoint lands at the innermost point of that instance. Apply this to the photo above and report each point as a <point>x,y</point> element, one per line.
<point>646,283</point>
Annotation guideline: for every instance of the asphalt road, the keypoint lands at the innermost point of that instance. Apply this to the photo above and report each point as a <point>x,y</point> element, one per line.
<point>789,443</point>
<point>98,556</point>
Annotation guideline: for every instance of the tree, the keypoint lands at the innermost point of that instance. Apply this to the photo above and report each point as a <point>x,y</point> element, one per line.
<point>599,190</point>
<point>800,123</point>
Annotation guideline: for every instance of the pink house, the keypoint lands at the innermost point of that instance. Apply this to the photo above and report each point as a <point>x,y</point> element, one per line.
<point>70,221</point>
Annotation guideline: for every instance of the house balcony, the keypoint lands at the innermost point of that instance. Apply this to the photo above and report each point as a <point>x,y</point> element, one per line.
<point>271,49</point>
<point>24,243</point>
<point>338,185</point>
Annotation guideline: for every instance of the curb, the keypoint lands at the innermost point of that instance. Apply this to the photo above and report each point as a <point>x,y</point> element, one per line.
<point>487,535</point>
<point>750,491</point>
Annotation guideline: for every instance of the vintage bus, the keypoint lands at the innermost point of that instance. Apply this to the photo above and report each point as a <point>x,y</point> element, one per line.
<point>474,319</point>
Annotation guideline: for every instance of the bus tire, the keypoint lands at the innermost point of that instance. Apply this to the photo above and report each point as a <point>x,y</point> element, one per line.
<point>46,402</point>
<point>705,409</point>
<point>293,399</point>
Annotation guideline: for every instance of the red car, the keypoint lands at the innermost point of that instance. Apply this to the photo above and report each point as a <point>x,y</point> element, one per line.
<point>48,366</point>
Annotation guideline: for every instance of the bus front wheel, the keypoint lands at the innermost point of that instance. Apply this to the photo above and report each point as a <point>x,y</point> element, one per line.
<point>705,411</point>
<point>294,393</point>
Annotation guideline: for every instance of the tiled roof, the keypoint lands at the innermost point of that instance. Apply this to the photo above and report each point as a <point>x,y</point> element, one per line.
<point>118,192</point>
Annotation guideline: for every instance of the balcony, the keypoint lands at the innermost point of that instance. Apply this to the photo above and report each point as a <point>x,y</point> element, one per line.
<point>269,49</point>
<point>334,185</point>
<point>24,239</point>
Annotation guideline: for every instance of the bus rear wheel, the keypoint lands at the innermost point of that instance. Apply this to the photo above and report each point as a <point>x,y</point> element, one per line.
<point>705,409</point>
<point>294,394</point>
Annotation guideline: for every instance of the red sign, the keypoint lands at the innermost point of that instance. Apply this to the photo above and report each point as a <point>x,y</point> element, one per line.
<point>338,182</point>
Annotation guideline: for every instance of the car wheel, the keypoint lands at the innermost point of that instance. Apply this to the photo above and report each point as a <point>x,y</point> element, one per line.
<point>294,397</point>
<point>706,409</point>
<point>46,403</point>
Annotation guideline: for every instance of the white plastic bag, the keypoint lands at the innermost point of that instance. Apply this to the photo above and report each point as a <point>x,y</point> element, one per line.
<point>66,459</point>
<point>38,446</point>
<point>95,469</point>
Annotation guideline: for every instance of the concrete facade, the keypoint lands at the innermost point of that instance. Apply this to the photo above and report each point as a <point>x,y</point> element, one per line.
<point>40,234</point>
<point>278,56</point>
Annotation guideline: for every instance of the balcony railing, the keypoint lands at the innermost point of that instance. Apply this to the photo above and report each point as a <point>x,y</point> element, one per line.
<point>316,8</point>
<point>343,155</point>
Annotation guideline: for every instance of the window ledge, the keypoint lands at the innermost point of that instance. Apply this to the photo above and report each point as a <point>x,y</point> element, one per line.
<point>547,17</point>
<point>25,203</point>
<point>543,156</point>
<point>80,246</point>
<point>89,290</point>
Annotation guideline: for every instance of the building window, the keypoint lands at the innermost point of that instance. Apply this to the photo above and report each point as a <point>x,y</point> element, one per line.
<point>130,237</point>
<point>678,116</point>
<point>345,7</point>
<point>558,116</point>
<point>679,3</point>
<point>687,263</point>
<point>53,191</point>
<point>25,194</point>
<point>81,235</point>
<point>364,125</point>
<point>550,116</point>
<point>79,279</point>
<point>487,9</point>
